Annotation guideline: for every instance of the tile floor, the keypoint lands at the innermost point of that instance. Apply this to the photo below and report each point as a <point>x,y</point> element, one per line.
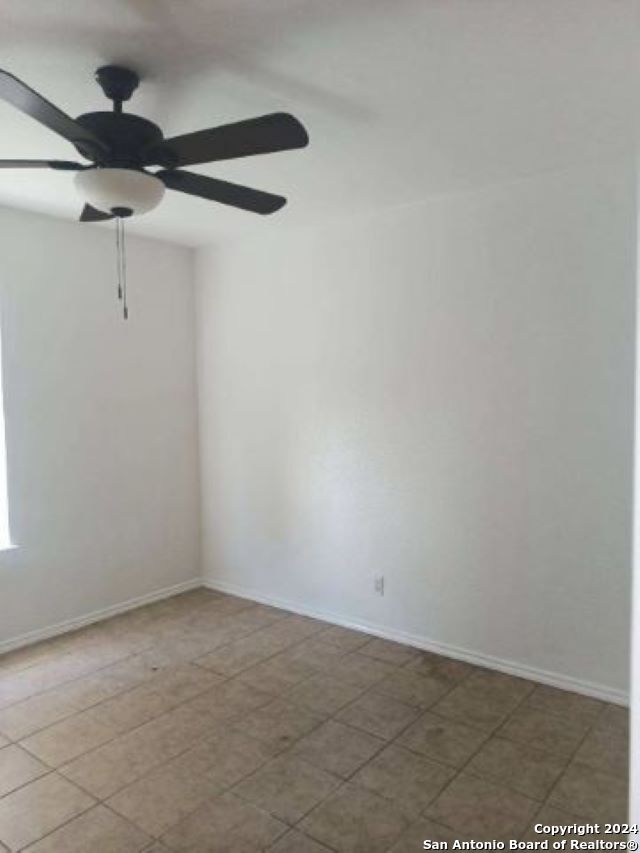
<point>210,723</point>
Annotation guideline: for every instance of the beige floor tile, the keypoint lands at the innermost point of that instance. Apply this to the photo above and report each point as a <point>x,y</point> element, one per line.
<point>98,830</point>
<point>447,741</point>
<point>254,715</point>
<point>448,670</point>
<point>163,798</point>
<point>228,758</point>
<point>170,651</point>
<point>379,715</point>
<point>24,718</point>
<point>354,820</point>
<point>214,630</point>
<point>287,788</point>
<point>225,824</point>
<point>176,731</point>
<point>105,770</point>
<point>605,748</point>
<point>37,809</point>
<point>191,641</point>
<point>360,670</point>
<point>222,605</point>
<point>498,685</point>
<point>321,656</point>
<point>227,605</point>
<point>412,688</point>
<point>120,762</point>
<point>254,618</point>
<point>344,638</point>
<point>230,701</point>
<point>311,624</point>
<point>410,780</point>
<point>593,795</point>
<point>546,731</point>
<point>279,724</point>
<point>178,649</point>
<point>132,709</point>
<point>573,705</point>
<point>109,682</point>
<point>323,694</point>
<point>476,706</point>
<point>26,656</point>
<point>517,766</point>
<point>183,602</point>
<point>615,717</point>
<point>18,767</point>
<point>240,655</point>
<point>295,842</point>
<point>338,748</point>
<point>389,652</point>
<point>69,739</point>
<point>185,682</point>
<point>165,691</point>
<point>412,839</point>
<point>482,809</point>
<point>295,628</point>
<point>58,671</point>
<point>278,674</point>
<point>53,673</point>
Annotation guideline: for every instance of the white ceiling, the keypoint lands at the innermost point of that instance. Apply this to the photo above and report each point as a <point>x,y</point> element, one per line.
<point>401,98</point>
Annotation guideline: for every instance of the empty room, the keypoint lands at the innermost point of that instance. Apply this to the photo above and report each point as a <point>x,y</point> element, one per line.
<point>317,335</point>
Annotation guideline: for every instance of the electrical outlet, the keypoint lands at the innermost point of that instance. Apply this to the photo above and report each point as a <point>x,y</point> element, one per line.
<point>378,584</point>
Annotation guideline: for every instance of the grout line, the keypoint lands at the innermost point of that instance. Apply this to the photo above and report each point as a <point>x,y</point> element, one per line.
<point>49,772</point>
<point>463,767</point>
<point>154,719</point>
<point>345,780</point>
<point>77,633</point>
<point>132,656</point>
<point>572,757</point>
<point>283,695</point>
<point>64,822</point>
<point>425,644</point>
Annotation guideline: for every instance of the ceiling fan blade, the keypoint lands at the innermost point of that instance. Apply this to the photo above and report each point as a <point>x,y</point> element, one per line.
<point>90,214</point>
<point>223,192</point>
<point>262,135</point>
<point>61,165</point>
<point>28,101</point>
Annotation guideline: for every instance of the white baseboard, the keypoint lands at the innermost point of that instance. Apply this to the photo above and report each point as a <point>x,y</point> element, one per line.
<point>96,616</point>
<point>552,679</point>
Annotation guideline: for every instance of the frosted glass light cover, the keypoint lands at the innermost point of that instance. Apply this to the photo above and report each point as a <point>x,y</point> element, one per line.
<point>106,188</point>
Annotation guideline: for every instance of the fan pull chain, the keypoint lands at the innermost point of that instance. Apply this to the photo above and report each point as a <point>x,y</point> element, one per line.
<point>125,306</point>
<point>118,257</point>
<point>121,260</point>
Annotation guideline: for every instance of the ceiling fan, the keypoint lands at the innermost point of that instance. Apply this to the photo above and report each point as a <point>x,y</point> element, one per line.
<point>122,146</point>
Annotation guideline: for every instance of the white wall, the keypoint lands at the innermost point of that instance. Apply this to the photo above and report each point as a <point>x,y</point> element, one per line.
<point>101,421</point>
<point>440,393</point>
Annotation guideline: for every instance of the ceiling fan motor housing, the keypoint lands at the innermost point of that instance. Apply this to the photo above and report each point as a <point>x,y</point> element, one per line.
<point>128,138</point>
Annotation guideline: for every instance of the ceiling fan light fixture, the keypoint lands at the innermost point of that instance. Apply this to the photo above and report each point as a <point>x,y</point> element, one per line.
<point>109,190</point>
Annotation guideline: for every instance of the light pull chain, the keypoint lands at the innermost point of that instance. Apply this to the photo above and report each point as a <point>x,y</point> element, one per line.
<point>121,258</point>
<point>118,258</point>
<point>125,306</point>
